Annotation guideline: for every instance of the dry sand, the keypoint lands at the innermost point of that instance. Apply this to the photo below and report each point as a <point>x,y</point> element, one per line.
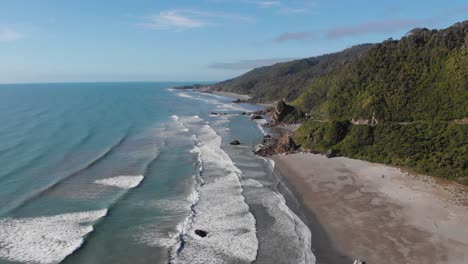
<point>378,213</point>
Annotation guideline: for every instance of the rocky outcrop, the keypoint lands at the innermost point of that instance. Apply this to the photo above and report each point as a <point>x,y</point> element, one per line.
<point>266,139</point>
<point>255,116</point>
<point>272,146</point>
<point>285,114</point>
<point>331,153</point>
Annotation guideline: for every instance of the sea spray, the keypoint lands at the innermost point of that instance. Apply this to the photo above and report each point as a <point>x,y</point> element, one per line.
<point>123,182</point>
<point>221,209</point>
<point>47,239</point>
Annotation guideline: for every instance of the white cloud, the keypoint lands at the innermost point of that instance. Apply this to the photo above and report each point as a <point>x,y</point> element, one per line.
<point>172,20</point>
<point>189,19</point>
<point>8,34</point>
<point>284,7</point>
<point>266,4</point>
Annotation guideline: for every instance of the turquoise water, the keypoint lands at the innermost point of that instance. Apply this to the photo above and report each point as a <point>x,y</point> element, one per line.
<point>125,172</point>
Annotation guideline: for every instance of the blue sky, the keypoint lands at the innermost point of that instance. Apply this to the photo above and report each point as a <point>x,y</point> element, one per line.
<point>193,40</point>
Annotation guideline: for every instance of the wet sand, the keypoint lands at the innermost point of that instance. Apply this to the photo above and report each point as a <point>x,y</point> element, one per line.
<point>375,212</point>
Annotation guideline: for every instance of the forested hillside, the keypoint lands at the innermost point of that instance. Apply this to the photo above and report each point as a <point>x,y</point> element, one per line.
<point>401,102</point>
<point>404,103</point>
<point>289,79</point>
<point>423,76</point>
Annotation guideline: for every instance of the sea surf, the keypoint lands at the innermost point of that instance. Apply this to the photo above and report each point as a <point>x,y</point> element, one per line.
<point>128,172</point>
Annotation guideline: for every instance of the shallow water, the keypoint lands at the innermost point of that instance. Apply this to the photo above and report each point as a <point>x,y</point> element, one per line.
<point>125,172</point>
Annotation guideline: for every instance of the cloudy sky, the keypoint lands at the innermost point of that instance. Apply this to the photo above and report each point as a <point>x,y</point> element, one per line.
<point>193,40</point>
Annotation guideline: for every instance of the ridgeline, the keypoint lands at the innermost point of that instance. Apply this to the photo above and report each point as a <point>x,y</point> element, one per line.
<point>289,79</point>
<point>400,102</point>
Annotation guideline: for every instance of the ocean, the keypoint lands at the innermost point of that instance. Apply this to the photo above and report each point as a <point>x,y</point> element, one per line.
<point>126,172</point>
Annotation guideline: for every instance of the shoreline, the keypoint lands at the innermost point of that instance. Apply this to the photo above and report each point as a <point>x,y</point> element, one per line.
<point>236,96</point>
<point>374,212</point>
<point>322,245</point>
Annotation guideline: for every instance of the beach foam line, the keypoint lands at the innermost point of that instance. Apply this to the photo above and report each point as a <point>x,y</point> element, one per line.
<point>219,105</point>
<point>302,231</point>
<point>221,209</point>
<point>260,124</point>
<point>123,182</point>
<point>45,240</point>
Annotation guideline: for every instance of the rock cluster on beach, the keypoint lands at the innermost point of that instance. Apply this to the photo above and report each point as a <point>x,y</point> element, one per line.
<point>271,146</point>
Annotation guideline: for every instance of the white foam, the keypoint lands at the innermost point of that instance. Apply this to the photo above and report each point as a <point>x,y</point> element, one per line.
<point>174,117</point>
<point>158,235</point>
<point>214,100</point>
<point>197,150</point>
<point>185,226</point>
<point>47,239</point>
<point>123,182</point>
<point>272,163</point>
<point>221,210</point>
<point>260,124</point>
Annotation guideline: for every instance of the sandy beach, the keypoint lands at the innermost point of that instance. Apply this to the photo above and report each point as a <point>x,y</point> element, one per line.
<point>378,213</point>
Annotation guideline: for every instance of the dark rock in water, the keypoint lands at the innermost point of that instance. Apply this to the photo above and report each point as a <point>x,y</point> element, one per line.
<point>331,153</point>
<point>201,233</point>
<point>237,101</point>
<point>243,113</point>
<point>213,113</point>
<point>255,116</point>
<point>235,142</point>
<point>224,113</point>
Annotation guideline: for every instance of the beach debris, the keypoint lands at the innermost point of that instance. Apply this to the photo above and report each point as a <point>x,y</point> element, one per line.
<point>201,233</point>
<point>358,261</point>
<point>235,142</point>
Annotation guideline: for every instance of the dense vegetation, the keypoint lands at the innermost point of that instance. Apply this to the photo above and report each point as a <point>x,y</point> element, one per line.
<point>289,79</point>
<point>414,87</point>
<point>399,102</point>
<point>423,76</point>
<point>435,148</point>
